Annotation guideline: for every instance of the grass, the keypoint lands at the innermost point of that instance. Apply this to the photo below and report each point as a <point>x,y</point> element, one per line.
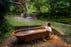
<point>14,22</point>
<point>58,20</point>
<point>62,20</point>
<point>8,34</point>
<point>63,27</point>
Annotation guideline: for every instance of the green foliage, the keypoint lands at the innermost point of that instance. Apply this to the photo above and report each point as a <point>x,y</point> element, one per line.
<point>12,8</point>
<point>52,7</point>
<point>44,9</point>
<point>32,9</point>
<point>40,3</point>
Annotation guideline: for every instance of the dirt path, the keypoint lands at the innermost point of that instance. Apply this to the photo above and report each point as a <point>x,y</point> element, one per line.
<point>55,41</point>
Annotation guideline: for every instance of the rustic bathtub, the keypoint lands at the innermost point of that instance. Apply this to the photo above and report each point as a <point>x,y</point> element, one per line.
<point>26,35</point>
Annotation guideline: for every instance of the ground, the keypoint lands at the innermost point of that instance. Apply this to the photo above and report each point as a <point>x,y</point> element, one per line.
<point>55,41</point>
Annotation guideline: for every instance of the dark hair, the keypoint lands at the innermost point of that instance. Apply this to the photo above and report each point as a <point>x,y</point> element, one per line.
<point>49,24</point>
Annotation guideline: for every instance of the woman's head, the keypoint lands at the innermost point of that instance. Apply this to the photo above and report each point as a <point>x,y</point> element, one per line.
<point>49,24</point>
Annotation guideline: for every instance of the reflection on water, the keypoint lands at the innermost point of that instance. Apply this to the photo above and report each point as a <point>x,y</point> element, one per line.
<point>25,32</point>
<point>30,31</point>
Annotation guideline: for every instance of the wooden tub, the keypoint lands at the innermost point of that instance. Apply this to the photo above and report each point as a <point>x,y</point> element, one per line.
<point>26,35</point>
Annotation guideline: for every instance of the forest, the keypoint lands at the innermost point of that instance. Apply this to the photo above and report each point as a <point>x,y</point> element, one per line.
<point>30,14</point>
